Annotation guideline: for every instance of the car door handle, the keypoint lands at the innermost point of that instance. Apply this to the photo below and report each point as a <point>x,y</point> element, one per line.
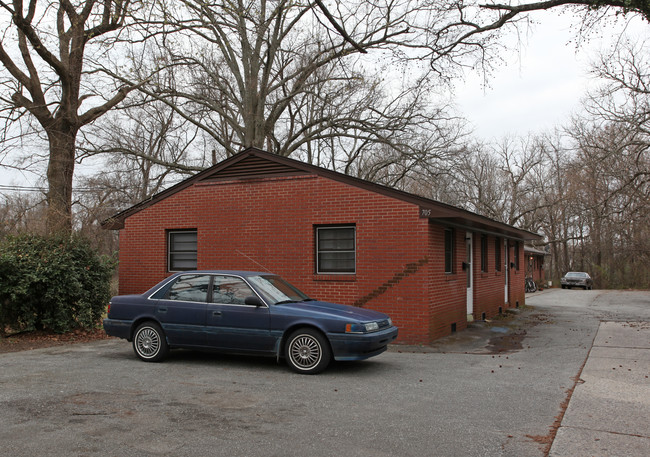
<point>162,309</point>
<point>216,313</point>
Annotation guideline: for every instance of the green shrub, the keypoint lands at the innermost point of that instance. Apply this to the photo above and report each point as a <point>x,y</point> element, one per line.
<point>58,283</point>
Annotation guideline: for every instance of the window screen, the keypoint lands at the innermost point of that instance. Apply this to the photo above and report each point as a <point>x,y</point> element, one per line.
<point>516,255</point>
<point>335,249</point>
<point>449,250</point>
<point>182,248</point>
<point>484,253</point>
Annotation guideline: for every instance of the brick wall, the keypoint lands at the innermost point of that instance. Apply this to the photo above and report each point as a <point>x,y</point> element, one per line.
<point>489,284</point>
<point>447,291</point>
<point>269,225</point>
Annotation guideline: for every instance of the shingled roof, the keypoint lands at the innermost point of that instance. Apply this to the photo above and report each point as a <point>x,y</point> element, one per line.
<point>254,164</point>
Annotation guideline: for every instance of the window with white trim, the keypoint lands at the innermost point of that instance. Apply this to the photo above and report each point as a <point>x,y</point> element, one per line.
<point>336,249</point>
<point>182,250</point>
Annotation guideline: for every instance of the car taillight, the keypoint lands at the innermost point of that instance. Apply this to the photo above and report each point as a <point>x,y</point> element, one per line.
<point>108,311</point>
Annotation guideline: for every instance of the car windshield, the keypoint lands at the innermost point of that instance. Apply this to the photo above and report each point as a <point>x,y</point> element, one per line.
<point>576,275</point>
<point>276,290</point>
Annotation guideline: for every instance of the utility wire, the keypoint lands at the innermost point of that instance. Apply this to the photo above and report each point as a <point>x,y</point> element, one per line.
<point>16,188</point>
<point>22,188</point>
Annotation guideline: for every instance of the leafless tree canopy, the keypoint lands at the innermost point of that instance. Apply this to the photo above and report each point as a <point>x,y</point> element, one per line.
<point>278,75</point>
<point>640,7</point>
<point>47,52</point>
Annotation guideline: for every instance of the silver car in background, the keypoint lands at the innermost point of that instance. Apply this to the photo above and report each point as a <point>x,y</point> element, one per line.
<point>577,279</point>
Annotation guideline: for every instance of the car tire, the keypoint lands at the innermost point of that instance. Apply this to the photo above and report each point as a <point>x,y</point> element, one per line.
<point>307,351</point>
<point>563,287</point>
<point>149,342</point>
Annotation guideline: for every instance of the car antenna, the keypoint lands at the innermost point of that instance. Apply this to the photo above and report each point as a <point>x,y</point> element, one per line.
<point>253,260</point>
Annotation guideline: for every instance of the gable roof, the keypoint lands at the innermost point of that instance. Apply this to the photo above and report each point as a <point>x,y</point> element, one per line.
<point>254,163</point>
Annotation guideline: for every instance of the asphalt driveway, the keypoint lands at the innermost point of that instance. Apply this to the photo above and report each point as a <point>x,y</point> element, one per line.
<point>469,395</point>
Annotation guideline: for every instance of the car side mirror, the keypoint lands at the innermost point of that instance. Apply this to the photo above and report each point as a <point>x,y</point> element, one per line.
<point>252,300</point>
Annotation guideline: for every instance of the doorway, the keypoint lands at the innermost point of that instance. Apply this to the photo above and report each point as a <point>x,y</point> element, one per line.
<point>470,275</point>
<point>506,269</point>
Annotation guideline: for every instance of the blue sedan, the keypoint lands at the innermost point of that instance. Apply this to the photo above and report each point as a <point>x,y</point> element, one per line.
<point>245,312</point>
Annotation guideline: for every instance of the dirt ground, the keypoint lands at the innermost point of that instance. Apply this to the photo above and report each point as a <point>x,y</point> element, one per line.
<point>41,339</point>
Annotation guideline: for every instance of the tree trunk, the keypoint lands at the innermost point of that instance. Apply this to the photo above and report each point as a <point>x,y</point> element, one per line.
<point>60,171</point>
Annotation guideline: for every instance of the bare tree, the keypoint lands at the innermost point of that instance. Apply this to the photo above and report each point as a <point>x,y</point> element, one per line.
<point>475,33</point>
<point>22,213</point>
<point>478,184</point>
<point>555,209</point>
<point>144,146</point>
<point>595,181</point>
<point>624,96</point>
<point>45,51</point>
<point>612,191</point>
<point>498,181</point>
<point>597,7</point>
<point>393,143</point>
<point>613,140</point>
<point>295,79</point>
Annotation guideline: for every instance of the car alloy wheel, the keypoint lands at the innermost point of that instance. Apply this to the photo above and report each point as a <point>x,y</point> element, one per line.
<point>149,342</point>
<point>308,351</point>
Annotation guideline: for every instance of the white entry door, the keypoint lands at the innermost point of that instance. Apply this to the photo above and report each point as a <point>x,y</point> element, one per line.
<point>506,268</point>
<point>470,273</point>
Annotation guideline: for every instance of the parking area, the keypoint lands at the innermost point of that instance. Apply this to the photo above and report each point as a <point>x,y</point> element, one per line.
<point>466,395</point>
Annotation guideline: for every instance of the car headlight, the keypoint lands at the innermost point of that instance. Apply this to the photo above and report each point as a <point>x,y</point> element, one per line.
<point>372,327</point>
<point>362,328</point>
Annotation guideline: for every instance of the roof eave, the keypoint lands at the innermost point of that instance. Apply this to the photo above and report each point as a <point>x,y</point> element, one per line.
<point>437,210</point>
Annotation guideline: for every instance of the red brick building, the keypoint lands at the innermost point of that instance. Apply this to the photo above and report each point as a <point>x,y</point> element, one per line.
<point>535,264</point>
<point>429,265</point>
